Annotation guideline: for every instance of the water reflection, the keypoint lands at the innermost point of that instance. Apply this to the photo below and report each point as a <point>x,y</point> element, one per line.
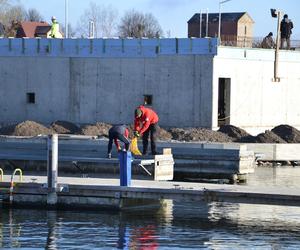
<point>283,176</point>
<point>173,225</point>
<point>177,225</point>
<point>51,243</point>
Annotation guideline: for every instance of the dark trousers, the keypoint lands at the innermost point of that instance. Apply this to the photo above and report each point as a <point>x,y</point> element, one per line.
<point>152,131</point>
<point>118,136</point>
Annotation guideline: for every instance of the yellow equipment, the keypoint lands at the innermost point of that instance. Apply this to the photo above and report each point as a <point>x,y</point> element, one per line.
<point>134,147</point>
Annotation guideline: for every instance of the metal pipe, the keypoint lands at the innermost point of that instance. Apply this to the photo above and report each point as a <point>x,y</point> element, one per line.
<point>52,162</point>
<point>206,23</point>
<point>276,77</point>
<point>200,24</point>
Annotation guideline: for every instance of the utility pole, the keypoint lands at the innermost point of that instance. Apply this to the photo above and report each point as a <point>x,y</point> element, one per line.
<point>276,77</point>
<point>219,26</point>
<point>66,19</point>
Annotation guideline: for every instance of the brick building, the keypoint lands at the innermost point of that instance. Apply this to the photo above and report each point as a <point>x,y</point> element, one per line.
<point>34,29</point>
<point>236,28</point>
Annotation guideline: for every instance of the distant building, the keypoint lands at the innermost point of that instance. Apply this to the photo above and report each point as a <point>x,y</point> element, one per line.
<point>236,28</point>
<point>34,29</point>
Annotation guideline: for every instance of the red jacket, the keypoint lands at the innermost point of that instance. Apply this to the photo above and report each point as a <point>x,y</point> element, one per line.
<point>148,117</point>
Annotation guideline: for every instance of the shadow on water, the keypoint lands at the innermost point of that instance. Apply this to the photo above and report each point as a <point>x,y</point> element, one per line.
<point>177,225</point>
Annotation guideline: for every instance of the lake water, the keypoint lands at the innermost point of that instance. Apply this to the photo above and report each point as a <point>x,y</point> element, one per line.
<point>174,226</point>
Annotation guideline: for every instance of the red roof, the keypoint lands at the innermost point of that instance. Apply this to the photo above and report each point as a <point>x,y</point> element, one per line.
<point>27,29</point>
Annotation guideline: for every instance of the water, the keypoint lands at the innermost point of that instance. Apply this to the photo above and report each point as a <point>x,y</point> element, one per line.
<point>174,226</point>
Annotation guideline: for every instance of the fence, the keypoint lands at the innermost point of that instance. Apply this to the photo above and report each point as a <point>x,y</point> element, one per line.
<point>251,42</point>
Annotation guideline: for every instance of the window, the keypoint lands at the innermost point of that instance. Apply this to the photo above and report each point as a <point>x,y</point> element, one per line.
<point>245,30</point>
<point>147,99</point>
<point>30,97</point>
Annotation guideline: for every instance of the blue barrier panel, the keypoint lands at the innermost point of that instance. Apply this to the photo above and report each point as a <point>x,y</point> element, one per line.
<point>125,168</point>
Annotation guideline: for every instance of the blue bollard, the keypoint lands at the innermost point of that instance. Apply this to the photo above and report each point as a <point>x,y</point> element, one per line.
<point>125,168</point>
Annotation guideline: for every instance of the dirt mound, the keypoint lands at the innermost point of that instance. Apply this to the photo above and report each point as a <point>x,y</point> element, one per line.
<point>26,128</point>
<point>163,135</point>
<point>64,127</point>
<point>287,133</point>
<point>269,137</point>
<point>100,129</point>
<point>198,134</point>
<point>234,132</point>
<point>226,133</point>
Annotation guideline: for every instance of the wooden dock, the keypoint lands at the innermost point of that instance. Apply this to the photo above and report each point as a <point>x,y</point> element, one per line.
<point>95,193</point>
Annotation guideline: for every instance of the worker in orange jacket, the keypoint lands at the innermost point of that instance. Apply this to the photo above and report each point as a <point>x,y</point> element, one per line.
<point>145,124</point>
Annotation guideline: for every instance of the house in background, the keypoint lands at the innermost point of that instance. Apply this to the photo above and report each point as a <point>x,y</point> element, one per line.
<point>236,28</point>
<point>34,29</point>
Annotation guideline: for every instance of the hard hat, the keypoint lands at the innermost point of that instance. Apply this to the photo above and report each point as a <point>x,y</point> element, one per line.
<point>138,112</point>
<point>53,18</point>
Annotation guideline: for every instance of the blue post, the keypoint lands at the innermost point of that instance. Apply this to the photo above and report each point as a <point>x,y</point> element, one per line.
<point>125,168</point>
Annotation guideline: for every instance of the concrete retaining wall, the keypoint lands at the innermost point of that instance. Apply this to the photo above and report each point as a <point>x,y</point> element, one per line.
<point>85,81</point>
<point>89,89</point>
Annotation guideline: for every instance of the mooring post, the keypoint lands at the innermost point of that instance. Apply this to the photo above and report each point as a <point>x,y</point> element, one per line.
<point>125,168</point>
<point>52,167</point>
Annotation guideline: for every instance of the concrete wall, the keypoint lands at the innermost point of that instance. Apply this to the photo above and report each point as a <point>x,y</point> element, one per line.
<point>85,81</point>
<point>258,103</point>
<point>90,80</point>
<point>86,90</point>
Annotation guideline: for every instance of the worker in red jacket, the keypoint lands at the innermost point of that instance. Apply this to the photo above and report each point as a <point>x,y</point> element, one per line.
<point>145,123</point>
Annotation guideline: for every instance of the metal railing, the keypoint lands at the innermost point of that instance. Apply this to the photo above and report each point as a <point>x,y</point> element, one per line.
<point>251,42</point>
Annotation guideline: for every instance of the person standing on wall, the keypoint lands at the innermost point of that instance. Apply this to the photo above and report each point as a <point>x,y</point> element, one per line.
<point>286,27</point>
<point>145,124</point>
<point>54,32</point>
<point>268,42</point>
<point>117,132</point>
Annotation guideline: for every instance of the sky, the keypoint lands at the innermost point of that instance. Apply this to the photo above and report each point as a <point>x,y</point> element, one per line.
<point>173,15</point>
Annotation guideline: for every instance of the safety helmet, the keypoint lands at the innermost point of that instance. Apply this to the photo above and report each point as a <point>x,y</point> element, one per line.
<point>53,18</point>
<point>138,113</point>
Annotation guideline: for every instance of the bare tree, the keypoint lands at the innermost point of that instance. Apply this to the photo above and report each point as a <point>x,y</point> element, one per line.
<point>103,17</point>
<point>136,24</point>
<point>71,31</point>
<point>11,19</point>
<point>33,15</point>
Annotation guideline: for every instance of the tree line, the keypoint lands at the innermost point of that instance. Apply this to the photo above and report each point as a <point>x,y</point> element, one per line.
<point>105,19</point>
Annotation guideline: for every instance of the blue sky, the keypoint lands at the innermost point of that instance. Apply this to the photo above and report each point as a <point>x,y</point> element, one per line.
<point>174,14</point>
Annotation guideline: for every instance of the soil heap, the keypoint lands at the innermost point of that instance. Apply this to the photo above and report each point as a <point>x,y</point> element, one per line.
<point>65,127</point>
<point>98,129</point>
<point>288,133</point>
<point>198,134</point>
<point>26,128</point>
<point>226,133</point>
